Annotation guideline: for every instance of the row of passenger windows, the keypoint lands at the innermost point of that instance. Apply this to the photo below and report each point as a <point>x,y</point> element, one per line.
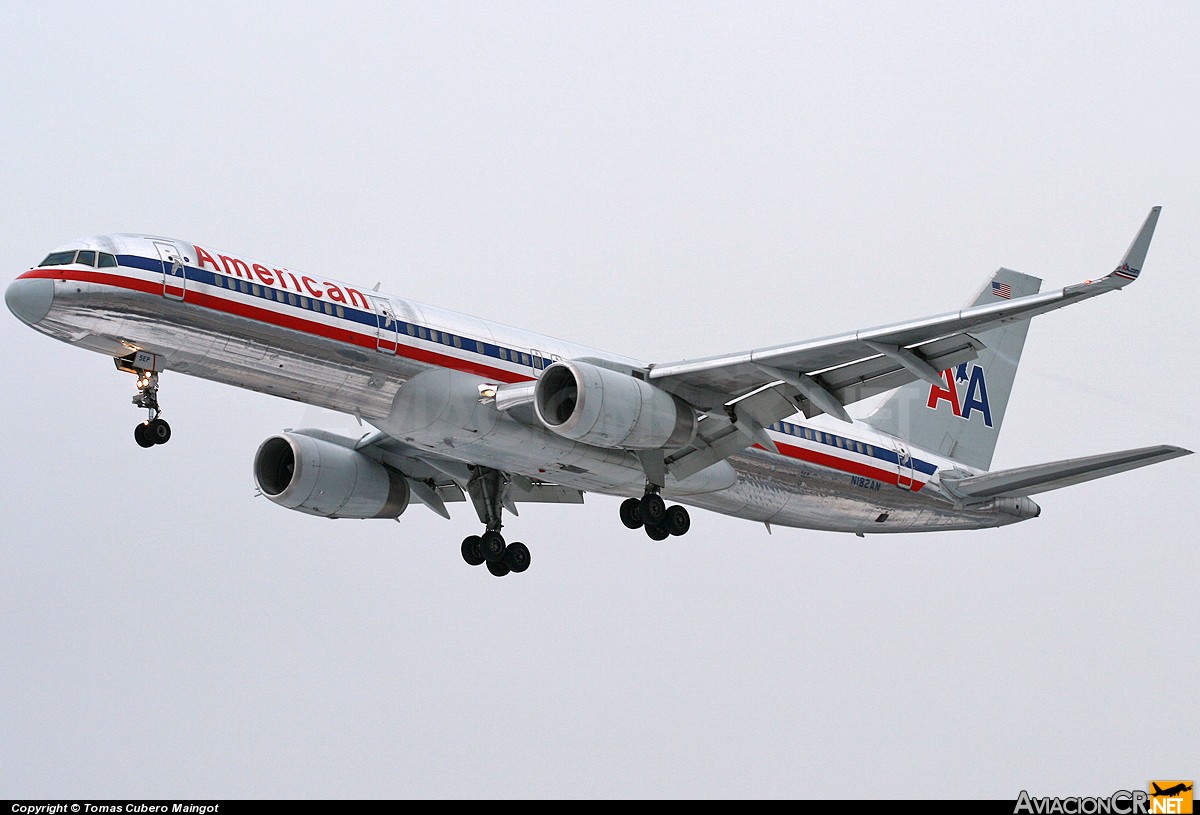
<point>88,257</point>
<point>421,332</point>
<point>300,301</point>
<point>826,438</point>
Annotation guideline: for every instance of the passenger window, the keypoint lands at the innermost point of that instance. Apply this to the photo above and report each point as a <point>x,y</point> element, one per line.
<point>424,333</point>
<point>291,298</point>
<point>255,289</point>
<point>412,330</point>
<point>457,341</point>
<point>329,309</point>
<point>107,260</point>
<point>86,257</point>
<point>340,312</point>
<point>244,286</point>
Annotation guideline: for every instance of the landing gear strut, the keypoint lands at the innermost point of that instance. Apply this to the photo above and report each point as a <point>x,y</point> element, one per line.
<point>486,489</point>
<point>155,429</point>
<point>651,513</point>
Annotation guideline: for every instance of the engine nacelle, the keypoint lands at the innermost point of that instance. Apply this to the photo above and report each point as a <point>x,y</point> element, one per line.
<point>606,408</point>
<point>320,477</point>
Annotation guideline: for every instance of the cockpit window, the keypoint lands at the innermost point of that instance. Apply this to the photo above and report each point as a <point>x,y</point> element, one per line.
<point>59,258</point>
<point>86,257</point>
<point>107,260</point>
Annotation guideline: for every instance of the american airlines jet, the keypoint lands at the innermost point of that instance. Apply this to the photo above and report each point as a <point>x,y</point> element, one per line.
<point>466,409</point>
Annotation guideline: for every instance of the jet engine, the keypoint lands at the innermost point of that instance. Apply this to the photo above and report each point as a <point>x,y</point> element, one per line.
<point>321,477</point>
<point>607,408</point>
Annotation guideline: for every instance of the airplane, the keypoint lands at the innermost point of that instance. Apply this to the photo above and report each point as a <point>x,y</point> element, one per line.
<point>1170,791</point>
<point>467,409</point>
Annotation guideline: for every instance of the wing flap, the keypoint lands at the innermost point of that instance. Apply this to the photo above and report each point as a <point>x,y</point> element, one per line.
<point>1037,478</point>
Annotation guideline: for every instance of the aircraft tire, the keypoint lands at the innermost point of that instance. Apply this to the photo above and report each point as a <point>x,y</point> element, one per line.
<point>158,431</point>
<point>652,508</point>
<point>657,533</point>
<point>471,551</point>
<point>498,568</point>
<point>631,514</point>
<point>677,521</point>
<point>516,557</point>
<point>140,436</point>
<point>491,546</point>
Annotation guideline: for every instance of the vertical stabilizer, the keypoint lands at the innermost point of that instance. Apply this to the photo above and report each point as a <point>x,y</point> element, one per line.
<point>961,418</point>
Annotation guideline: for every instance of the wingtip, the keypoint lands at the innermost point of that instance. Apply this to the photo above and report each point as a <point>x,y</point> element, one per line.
<point>1135,255</point>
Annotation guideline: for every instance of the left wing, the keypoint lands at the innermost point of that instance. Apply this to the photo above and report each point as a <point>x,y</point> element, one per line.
<point>436,480</point>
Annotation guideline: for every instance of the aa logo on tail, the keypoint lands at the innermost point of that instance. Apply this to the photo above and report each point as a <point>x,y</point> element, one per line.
<point>970,378</point>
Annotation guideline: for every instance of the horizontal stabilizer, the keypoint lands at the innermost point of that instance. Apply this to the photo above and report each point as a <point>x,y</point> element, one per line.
<point>1021,481</point>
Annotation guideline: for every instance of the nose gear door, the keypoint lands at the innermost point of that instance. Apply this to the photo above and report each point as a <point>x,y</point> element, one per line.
<point>174,273</point>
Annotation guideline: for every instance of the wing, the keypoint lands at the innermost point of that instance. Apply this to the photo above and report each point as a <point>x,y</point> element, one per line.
<point>825,374</point>
<point>438,480</point>
<point>745,393</point>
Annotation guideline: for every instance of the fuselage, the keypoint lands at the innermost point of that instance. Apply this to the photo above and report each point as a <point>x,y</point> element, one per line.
<point>350,348</point>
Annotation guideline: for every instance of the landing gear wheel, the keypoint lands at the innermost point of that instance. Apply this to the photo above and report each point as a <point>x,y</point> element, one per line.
<point>491,546</point>
<point>657,533</point>
<point>140,435</point>
<point>652,509</point>
<point>631,514</point>
<point>498,568</point>
<point>158,431</point>
<point>516,557</point>
<point>677,521</point>
<point>471,551</point>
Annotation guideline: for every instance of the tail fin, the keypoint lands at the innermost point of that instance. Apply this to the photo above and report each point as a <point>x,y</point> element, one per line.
<point>962,419</point>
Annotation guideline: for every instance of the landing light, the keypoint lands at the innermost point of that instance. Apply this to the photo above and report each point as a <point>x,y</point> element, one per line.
<point>487,391</point>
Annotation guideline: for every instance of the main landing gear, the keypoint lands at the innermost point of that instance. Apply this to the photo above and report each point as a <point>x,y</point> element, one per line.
<point>490,548</point>
<point>486,489</point>
<point>651,513</point>
<point>155,429</point>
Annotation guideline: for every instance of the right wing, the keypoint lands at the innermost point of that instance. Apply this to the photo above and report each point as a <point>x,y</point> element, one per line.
<point>746,392</point>
<point>849,367</point>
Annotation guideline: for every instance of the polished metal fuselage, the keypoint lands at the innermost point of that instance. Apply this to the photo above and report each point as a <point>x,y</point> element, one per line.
<point>207,320</point>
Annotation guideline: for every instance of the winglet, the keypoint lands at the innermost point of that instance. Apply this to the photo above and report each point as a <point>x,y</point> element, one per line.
<point>1135,256</point>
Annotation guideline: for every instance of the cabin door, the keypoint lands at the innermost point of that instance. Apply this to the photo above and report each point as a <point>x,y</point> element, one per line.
<point>174,272</point>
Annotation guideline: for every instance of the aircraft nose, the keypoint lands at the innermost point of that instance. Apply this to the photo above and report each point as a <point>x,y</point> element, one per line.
<point>30,298</point>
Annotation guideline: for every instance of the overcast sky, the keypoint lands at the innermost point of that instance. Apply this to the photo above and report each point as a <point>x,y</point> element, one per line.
<point>664,180</point>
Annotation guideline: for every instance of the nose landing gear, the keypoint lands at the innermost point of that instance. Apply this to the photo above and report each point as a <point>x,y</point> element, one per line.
<point>155,429</point>
<point>144,366</point>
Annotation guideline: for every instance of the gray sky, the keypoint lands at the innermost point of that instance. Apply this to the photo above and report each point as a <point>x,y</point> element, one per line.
<point>663,180</point>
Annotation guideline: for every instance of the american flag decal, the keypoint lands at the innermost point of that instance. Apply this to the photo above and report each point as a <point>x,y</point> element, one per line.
<point>1002,290</point>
